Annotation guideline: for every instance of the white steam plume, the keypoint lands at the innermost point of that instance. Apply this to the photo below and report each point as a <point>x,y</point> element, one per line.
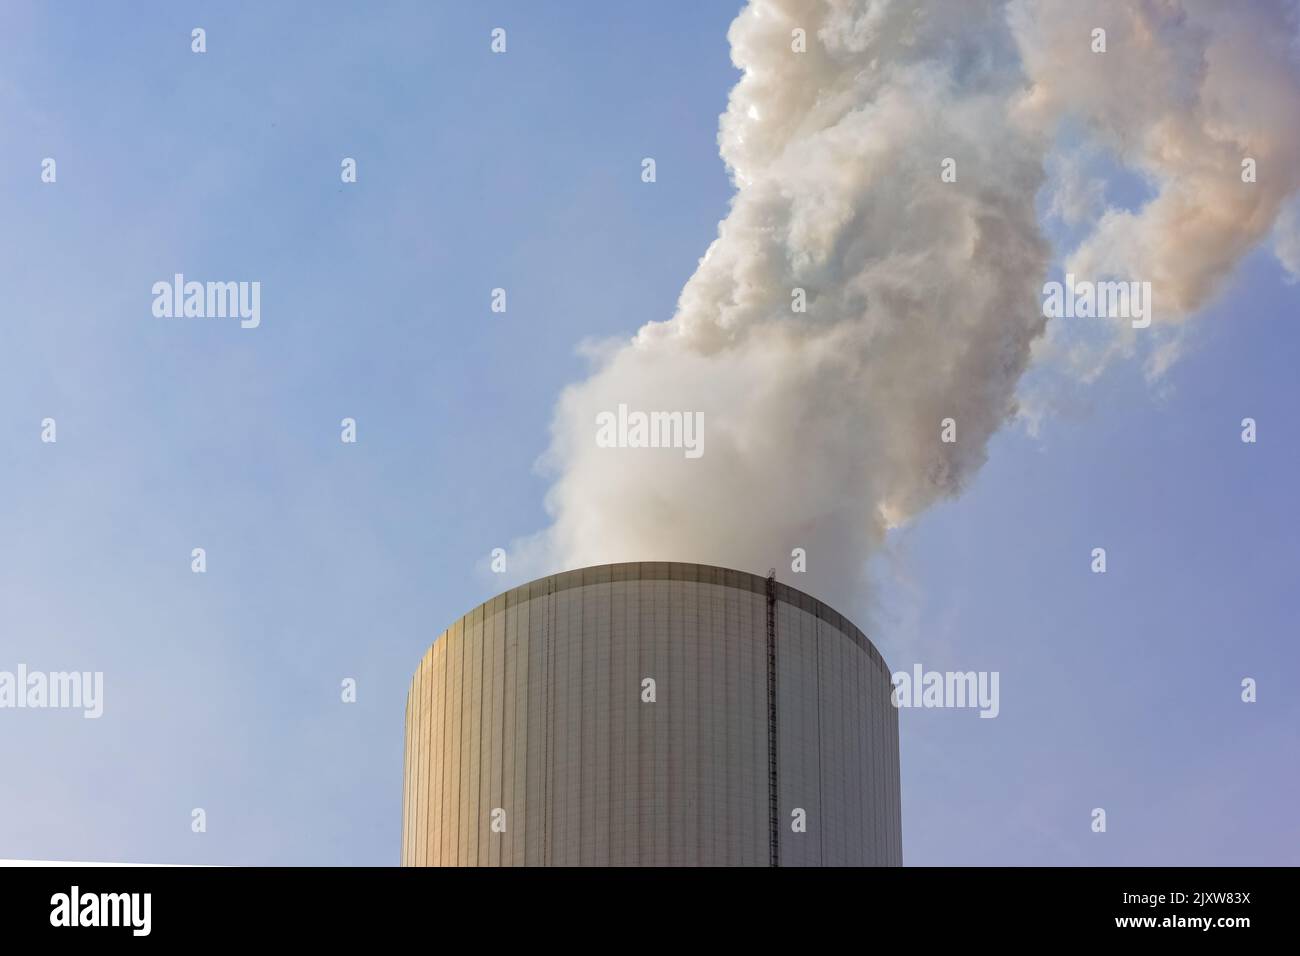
<point>924,297</point>
<point>1186,91</point>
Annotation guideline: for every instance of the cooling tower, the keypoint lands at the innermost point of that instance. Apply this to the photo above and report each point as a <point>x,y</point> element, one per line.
<point>651,714</point>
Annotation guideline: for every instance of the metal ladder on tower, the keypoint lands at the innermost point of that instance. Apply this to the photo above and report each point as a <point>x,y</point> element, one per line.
<point>773,811</point>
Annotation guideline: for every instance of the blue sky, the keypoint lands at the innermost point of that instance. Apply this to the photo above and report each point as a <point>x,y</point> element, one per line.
<point>328,561</point>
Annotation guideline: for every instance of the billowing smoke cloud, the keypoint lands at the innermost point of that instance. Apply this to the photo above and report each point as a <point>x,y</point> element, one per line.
<point>1185,94</point>
<point>823,428</point>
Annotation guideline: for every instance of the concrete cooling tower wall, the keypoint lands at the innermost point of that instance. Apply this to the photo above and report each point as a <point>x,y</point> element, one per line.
<point>651,714</point>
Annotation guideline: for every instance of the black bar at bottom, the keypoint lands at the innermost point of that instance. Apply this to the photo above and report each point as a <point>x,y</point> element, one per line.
<point>448,908</point>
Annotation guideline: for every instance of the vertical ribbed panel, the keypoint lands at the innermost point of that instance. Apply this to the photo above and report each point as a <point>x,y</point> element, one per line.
<point>531,704</point>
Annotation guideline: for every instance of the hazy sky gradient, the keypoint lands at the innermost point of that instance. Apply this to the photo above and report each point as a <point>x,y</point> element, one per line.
<point>328,561</point>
